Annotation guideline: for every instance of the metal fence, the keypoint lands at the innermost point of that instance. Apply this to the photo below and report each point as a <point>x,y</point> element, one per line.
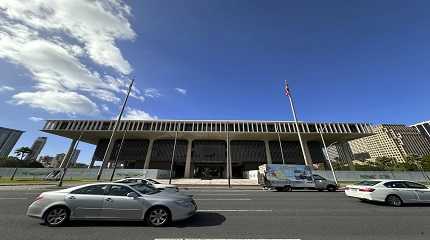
<point>80,173</point>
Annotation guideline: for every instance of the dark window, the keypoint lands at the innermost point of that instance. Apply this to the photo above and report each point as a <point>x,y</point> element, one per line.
<point>312,128</point>
<point>91,190</point>
<point>318,177</point>
<point>353,128</point>
<point>230,127</point>
<point>146,126</point>
<point>415,185</point>
<point>395,185</point>
<point>188,126</point>
<point>271,127</point>
<point>116,190</point>
<point>105,125</point>
<point>63,125</point>
<point>222,127</point>
<point>368,183</point>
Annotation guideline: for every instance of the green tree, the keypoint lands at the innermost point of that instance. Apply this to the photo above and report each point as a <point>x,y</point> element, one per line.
<point>425,163</point>
<point>385,163</point>
<point>22,152</point>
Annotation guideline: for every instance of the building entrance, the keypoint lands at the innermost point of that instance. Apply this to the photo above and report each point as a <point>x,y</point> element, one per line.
<point>209,172</point>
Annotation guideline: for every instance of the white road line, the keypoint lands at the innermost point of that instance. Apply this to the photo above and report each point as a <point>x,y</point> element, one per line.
<point>12,198</point>
<point>227,239</point>
<point>220,194</point>
<point>223,199</point>
<point>235,210</point>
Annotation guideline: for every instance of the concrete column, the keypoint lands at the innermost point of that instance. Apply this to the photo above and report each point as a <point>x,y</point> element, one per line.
<point>148,154</point>
<point>307,152</point>
<point>228,161</point>
<point>268,155</point>
<point>66,158</point>
<point>187,173</point>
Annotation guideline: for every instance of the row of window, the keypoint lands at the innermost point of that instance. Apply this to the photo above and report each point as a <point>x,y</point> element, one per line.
<point>207,126</point>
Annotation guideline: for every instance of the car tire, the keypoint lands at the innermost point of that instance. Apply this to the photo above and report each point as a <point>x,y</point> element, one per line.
<point>158,216</point>
<point>56,216</point>
<point>394,200</point>
<point>278,189</point>
<point>331,188</point>
<point>287,189</point>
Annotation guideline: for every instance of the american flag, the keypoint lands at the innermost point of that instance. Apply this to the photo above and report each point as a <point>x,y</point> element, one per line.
<point>287,89</point>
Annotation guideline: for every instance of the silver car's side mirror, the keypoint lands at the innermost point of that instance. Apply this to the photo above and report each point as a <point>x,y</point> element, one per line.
<point>132,195</point>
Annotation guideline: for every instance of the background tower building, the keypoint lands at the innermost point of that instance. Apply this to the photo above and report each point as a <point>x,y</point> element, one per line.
<point>36,148</point>
<point>391,140</point>
<point>8,139</point>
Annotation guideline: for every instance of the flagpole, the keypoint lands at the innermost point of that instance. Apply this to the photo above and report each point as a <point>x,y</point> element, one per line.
<point>105,157</point>
<point>288,93</point>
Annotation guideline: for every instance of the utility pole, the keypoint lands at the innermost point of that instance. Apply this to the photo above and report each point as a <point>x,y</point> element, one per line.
<point>173,157</point>
<point>105,157</point>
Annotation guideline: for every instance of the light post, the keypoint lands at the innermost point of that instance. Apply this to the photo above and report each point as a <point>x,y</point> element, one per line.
<point>328,157</point>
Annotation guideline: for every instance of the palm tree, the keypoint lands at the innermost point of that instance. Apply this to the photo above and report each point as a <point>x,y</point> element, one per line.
<point>22,152</point>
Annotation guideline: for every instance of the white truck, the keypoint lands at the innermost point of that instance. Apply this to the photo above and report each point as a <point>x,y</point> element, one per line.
<point>286,177</point>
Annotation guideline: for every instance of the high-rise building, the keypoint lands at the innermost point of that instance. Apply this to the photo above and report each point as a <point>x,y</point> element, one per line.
<point>46,161</point>
<point>8,139</point>
<point>58,159</point>
<point>36,148</point>
<point>424,128</point>
<point>391,140</point>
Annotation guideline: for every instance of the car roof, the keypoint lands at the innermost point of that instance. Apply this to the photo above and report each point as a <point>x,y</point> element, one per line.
<point>90,184</point>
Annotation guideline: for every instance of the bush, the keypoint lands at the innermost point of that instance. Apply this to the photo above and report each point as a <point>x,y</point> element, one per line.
<point>13,162</point>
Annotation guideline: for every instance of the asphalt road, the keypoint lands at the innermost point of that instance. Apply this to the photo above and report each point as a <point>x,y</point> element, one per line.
<point>241,214</point>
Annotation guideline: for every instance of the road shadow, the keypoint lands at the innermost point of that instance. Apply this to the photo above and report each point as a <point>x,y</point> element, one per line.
<point>200,219</point>
<point>388,206</point>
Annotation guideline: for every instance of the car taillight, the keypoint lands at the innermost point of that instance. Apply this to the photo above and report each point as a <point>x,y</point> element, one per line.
<point>366,189</point>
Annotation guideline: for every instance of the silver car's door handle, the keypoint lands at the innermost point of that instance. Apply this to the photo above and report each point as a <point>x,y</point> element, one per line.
<point>109,199</point>
<point>72,198</point>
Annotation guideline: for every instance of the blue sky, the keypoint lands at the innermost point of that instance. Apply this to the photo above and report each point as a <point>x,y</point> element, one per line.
<point>364,61</point>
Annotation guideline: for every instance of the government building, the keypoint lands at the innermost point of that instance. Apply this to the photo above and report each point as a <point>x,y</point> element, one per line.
<point>205,148</point>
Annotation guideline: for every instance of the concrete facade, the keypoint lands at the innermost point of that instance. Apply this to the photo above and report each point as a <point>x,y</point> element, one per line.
<point>206,148</point>
<point>8,139</point>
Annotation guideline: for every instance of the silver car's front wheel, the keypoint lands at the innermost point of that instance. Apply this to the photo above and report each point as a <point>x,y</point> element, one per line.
<point>56,216</point>
<point>158,217</point>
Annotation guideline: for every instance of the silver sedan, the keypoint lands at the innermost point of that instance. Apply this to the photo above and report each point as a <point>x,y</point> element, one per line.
<point>112,201</point>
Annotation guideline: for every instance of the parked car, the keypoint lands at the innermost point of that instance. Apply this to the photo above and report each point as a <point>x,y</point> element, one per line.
<point>286,177</point>
<point>112,201</point>
<point>148,181</point>
<point>393,192</point>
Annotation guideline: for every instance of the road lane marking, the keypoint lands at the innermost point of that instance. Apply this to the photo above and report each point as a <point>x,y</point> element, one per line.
<point>227,239</point>
<point>222,194</point>
<point>223,199</point>
<point>12,198</point>
<point>235,210</point>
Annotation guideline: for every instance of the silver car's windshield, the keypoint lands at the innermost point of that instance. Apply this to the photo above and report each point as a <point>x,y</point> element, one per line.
<point>144,189</point>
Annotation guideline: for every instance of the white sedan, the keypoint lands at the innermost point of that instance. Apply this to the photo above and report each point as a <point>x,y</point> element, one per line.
<point>393,192</point>
<point>151,182</point>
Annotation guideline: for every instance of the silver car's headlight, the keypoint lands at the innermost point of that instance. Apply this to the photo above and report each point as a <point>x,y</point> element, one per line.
<point>184,203</point>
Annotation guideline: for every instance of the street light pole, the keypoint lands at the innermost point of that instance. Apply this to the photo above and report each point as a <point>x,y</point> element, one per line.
<point>326,152</point>
<point>60,182</point>
<point>105,157</point>
<point>117,156</point>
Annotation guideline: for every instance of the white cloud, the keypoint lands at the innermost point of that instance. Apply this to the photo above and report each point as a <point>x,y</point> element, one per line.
<point>5,88</point>
<point>35,119</point>
<point>151,93</point>
<point>53,40</point>
<point>181,91</point>
<point>136,114</point>
<point>105,107</point>
<point>57,102</point>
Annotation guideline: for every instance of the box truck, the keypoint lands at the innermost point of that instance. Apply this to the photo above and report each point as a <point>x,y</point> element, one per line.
<point>286,177</point>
